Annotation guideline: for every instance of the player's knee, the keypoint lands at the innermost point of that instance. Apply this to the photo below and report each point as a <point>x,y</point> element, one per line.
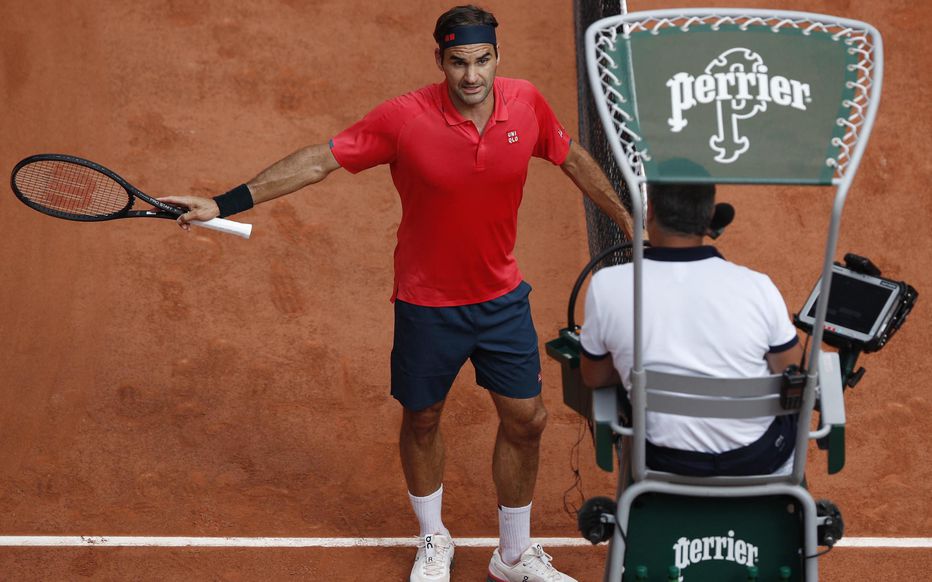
<point>527,429</point>
<point>424,423</point>
<point>537,424</point>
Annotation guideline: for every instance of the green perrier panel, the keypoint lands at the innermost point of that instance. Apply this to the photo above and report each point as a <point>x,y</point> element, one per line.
<point>713,538</point>
<point>753,105</point>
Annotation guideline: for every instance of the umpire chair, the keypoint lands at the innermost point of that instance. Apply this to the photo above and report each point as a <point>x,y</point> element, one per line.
<point>752,97</point>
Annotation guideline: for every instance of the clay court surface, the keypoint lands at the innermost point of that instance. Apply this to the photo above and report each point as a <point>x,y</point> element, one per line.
<point>161,383</point>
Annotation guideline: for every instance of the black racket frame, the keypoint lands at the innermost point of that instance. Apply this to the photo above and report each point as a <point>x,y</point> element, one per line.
<point>163,210</point>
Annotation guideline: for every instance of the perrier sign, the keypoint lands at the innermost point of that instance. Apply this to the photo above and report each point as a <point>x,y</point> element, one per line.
<point>748,105</point>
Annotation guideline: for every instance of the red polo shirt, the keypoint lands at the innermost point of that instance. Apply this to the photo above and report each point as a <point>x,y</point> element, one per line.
<point>459,191</point>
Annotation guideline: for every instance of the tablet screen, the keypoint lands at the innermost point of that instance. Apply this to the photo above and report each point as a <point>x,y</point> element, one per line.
<point>854,304</point>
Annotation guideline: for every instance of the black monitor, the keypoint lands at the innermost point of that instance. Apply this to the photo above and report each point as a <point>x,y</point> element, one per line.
<point>860,309</point>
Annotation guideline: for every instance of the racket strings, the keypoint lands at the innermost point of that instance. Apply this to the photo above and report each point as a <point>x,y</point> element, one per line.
<point>71,189</point>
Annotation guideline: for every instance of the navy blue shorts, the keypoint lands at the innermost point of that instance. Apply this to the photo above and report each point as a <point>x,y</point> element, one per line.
<point>433,343</point>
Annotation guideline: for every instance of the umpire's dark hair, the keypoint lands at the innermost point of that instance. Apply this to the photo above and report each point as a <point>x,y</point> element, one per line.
<point>682,208</point>
<point>466,15</point>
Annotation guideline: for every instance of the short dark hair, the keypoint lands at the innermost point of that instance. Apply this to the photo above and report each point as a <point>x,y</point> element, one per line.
<point>682,208</point>
<point>467,15</point>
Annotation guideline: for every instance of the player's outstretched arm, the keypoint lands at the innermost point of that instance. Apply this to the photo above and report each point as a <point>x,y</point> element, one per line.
<point>306,166</point>
<point>588,176</point>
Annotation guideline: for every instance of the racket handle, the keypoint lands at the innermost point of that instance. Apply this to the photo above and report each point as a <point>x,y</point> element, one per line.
<point>227,226</point>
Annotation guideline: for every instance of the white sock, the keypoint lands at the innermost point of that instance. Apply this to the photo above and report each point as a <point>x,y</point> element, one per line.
<point>427,509</point>
<point>514,531</point>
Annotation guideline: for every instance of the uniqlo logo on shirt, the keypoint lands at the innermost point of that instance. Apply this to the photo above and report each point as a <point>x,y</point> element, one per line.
<point>512,136</point>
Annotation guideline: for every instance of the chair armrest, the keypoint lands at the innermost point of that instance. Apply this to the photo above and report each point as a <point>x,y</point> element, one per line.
<point>605,424</point>
<point>832,409</point>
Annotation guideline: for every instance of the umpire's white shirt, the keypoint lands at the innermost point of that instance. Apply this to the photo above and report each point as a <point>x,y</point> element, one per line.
<point>702,316</point>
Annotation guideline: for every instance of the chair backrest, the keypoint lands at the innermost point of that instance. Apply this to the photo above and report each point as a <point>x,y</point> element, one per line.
<point>749,96</point>
<point>709,397</point>
<point>706,397</point>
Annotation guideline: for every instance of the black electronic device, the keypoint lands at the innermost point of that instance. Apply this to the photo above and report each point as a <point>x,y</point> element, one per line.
<point>791,390</point>
<point>864,309</point>
<point>723,215</point>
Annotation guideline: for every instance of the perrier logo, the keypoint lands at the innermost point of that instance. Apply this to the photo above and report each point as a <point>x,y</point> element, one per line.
<point>740,85</point>
<point>728,548</point>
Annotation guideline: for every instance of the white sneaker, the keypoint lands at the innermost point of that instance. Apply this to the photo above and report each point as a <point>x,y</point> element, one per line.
<point>434,560</point>
<point>534,566</point>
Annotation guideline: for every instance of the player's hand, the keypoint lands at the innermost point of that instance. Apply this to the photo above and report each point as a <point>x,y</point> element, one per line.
<point>199,208</point>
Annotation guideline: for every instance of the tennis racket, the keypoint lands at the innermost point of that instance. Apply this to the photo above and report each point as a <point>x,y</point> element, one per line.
<point>77,189</point>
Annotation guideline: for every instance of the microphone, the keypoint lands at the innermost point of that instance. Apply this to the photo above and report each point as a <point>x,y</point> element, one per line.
<point>722,217</point>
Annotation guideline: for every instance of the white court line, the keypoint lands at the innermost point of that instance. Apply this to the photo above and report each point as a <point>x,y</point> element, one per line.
<point>219,542</point>
<point>884,543</point>
<point>206,542</point>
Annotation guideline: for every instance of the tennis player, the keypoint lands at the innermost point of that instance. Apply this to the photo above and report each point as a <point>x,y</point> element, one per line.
<point>458,153</point>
